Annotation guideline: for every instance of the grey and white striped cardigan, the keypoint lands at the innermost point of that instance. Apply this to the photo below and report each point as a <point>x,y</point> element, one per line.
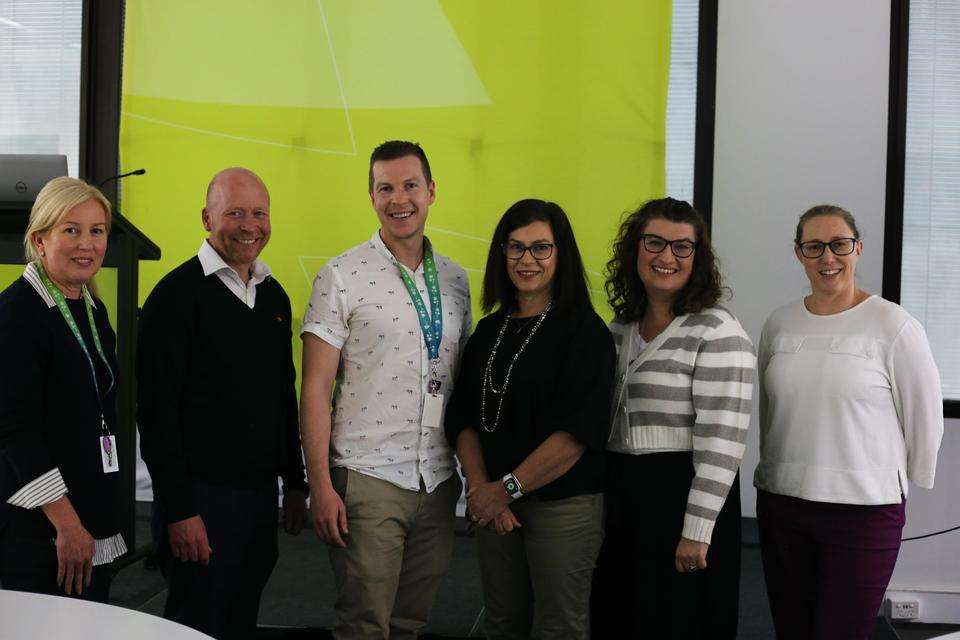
<point>689,389</point>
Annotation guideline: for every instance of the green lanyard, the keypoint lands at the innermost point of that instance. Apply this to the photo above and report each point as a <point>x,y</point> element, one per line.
<point>58,298</point>
<point>431,324</point>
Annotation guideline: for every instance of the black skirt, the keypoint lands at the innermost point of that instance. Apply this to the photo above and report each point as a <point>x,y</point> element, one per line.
<point>637,590</point>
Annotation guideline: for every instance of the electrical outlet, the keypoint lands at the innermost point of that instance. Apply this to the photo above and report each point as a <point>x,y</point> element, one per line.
<point>904,609</point>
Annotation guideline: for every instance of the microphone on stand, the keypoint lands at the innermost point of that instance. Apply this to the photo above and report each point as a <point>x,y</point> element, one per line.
<point>138,172</point>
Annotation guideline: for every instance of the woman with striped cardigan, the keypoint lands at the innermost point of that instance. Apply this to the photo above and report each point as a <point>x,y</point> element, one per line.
<point>681,411</point>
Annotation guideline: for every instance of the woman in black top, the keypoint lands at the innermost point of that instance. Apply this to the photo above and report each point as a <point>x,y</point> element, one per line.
<point>58,451</point>
<point>529,418</point>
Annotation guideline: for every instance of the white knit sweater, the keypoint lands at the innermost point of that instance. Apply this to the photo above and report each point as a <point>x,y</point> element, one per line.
<point>850,404</point>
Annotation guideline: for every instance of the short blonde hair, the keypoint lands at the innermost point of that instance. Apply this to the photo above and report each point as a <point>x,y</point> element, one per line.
<point>52,205</point>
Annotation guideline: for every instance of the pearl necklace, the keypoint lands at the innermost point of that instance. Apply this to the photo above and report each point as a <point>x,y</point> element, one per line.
<point>488,372</point>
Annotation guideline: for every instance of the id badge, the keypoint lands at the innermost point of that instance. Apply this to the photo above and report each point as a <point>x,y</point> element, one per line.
<point>432,410</point>
<point>108,454</point>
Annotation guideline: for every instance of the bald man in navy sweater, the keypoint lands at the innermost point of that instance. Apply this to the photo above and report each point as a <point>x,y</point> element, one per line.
<point>217,414</point>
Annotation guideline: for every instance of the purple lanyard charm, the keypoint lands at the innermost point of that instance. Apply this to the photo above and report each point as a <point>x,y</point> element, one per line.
<point>107,449</point>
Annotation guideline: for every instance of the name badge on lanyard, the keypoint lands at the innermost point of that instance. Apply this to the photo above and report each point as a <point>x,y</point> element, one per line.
<point>431,325</point>
<point>106,441</point>
<point>108,454</point>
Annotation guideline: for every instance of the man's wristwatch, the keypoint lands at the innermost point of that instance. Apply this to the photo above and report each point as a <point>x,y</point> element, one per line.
<point>512,486</point>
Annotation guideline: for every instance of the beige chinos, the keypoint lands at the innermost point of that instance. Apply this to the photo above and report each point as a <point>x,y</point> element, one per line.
<point>398,548</point>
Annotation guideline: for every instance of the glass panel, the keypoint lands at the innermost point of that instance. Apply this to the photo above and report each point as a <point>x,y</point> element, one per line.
<point>930,289</point>
<point>40,78</point>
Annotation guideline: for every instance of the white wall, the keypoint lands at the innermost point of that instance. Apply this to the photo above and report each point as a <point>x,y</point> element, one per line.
<point>802,119</point>
<point>930,568</point>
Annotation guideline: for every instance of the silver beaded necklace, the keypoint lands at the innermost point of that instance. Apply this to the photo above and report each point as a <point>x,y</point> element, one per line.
<point>488,373</point>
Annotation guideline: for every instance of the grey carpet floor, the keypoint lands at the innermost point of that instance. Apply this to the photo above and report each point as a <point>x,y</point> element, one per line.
<point>301,591</point>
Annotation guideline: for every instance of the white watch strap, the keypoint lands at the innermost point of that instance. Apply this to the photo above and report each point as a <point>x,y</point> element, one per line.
<point>512,486</point>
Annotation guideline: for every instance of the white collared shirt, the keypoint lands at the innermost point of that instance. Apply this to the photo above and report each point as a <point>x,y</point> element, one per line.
<point>211,262</point>
<point>360,305</point>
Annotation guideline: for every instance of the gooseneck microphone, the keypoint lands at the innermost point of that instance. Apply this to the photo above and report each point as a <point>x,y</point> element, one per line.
<point>138,172</point>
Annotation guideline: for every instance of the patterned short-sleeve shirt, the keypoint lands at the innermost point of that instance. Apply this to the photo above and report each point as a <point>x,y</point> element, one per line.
<point>360,305</point>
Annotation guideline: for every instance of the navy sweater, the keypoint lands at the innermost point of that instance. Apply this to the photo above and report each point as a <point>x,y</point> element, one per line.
<point>215,388</point>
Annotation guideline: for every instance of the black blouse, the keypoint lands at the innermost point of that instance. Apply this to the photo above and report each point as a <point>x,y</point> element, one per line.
<point>562,381</point>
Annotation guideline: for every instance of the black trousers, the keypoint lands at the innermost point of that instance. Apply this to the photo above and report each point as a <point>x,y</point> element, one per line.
<point>222,599</point>
<point>28,557</point>
<point>637,591</point>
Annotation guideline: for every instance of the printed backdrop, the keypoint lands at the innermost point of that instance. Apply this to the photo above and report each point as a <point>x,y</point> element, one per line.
<point>563,100</point>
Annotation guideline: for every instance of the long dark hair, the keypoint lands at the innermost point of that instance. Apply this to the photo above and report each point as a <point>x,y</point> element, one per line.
<point>625,290</point>
<point>569,281</point>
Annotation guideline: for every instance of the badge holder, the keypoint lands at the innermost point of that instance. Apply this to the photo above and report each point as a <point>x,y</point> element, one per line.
<point>433,400</point>
<point>108,450</point>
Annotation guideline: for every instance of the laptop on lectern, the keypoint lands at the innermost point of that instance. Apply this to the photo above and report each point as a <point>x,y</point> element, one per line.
<point>23,175</point>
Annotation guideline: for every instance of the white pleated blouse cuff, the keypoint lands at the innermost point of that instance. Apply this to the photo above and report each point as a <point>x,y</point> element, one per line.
<point>108,549</point>
<point>40,491</point>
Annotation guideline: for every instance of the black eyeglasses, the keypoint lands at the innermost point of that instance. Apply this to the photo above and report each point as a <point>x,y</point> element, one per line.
<point>539,250</point>
<point>838,246</point>
<point>681,248</point>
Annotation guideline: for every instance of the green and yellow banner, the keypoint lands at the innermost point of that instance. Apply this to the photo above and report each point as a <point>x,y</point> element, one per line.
<point>557,99</point>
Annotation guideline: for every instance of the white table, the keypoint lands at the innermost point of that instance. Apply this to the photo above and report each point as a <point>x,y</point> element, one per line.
<point>30,616</point>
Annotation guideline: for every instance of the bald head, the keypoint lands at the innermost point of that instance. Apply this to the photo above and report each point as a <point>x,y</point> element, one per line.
<point>237,216</point>
<point>232,176</point>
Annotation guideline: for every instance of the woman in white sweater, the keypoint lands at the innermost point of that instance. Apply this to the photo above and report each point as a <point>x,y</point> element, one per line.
<point>682,404</point>
<point>850,409</point>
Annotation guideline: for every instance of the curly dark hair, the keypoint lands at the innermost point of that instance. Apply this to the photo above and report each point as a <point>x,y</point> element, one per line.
<point>625,291</point>
<point>569,281</point>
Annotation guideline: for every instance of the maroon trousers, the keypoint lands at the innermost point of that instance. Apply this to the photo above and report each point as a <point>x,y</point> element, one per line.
<point>827,565</point>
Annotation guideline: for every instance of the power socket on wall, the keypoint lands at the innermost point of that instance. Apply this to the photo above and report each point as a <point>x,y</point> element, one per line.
<point>904,609</point>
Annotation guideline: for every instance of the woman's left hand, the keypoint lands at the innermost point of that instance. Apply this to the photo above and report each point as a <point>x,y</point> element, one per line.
<point>486,500</point>
<point>505,522</point>
<point>691,556</point>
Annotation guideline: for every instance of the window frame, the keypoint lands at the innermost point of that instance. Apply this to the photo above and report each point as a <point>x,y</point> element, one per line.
<point>706,110</point>
<point>101,59</point>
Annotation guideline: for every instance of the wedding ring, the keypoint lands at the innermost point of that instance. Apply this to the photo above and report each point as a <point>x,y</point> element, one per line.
<point>691,567</point>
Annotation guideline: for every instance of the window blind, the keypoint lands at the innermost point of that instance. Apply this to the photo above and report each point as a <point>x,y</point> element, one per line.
<point>40,77</point>
<point>682,99</point>
<point>930,269</point>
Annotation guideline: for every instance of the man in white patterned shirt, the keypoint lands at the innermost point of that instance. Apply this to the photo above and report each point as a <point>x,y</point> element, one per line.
<point>386,321</point>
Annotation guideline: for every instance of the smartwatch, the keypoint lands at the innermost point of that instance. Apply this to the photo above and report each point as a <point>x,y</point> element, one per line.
<point>512,486</point>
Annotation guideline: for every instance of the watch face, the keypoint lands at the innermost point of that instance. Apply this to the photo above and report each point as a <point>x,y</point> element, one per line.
<point>510,485</point>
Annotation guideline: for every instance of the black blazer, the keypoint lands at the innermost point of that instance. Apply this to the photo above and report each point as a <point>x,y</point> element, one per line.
<point>49,413</point>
